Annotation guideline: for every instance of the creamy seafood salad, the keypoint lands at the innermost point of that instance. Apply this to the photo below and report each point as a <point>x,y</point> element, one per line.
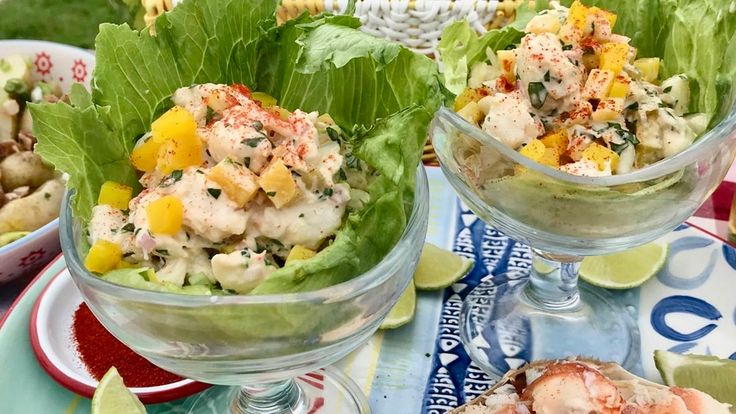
<point>30,189</point>
<point>233,187</point>
<point>572,95</point>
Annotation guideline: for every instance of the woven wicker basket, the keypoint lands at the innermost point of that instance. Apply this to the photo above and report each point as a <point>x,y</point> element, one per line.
<point>415,23</point>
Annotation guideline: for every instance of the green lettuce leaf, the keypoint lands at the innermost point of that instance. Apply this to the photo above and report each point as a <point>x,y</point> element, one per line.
<point>379,91</point>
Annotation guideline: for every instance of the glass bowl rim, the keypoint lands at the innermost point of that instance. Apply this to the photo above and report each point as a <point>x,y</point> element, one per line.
<point>700,147</point>
<point>354,287</point>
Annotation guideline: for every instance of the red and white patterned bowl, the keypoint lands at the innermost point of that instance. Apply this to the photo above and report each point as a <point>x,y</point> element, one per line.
<point>67,65</point>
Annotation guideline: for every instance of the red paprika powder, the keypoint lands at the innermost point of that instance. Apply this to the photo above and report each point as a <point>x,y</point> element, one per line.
<point>99,351</point>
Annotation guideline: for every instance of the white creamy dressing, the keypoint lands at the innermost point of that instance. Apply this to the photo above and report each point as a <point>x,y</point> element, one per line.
<point>508,119</point>
<point>241,270</point>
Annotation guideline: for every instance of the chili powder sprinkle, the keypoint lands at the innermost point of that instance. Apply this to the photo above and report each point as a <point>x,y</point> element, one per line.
<point>99,351</point>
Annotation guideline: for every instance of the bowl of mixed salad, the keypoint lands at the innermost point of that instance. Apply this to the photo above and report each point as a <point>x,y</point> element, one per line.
<point>249,209</point>
<point>582,129</point>
<point>30,189</point>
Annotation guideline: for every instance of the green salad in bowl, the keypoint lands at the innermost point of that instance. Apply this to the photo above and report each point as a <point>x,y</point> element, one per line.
<point>248,160</point>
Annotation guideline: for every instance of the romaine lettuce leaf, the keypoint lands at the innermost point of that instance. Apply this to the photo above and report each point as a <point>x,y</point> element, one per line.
<point>380,92</point>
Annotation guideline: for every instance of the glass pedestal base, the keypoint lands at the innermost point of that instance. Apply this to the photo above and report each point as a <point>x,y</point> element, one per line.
<point>502,328</point>
<point>321,392</point>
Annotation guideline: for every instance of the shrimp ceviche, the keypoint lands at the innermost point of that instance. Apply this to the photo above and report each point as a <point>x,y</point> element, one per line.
<point>575,387</point>
<point>234,187</point>
<point>572,96</point>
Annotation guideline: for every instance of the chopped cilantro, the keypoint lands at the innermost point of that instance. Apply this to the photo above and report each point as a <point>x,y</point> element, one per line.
<point>214,192</point>
<point>546,76</point>
<point>667,89</point>
<point>253,142</point>
<point>334,135</point>
<point>537,94</point>
<point>162,252</point>
<point>210,114</point>
<point>257,125</point>
<point>342,175</point>
<point>270,193</point>
<point>130,227</point>
<point>246,161</point>
<point>301,215</point>
<point>566,47</point>
<point>46,195</point>
<point>327,192</point>
<point>633,107</point>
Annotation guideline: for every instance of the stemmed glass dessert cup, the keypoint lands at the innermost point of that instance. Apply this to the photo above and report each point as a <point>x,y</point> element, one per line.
<point>261,345</point>
<point>509,319</point>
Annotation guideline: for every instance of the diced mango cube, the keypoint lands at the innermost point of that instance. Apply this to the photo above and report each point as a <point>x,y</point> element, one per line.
<point>145,156</point>
<point>265,99</point>
<point>543,23</point>
<point>620,86</point>
<point>533,150</point>
<point>613,56</point>
<point>115,195</point>
<point>179,153</point>
<point>601,156</point>
<point>238,182</point>
<point>165,215</point>
<point>175,123</point>
<point>557,140</point>
<point>507,60</point>
<point>598,84</point>
<point>611,17</point>
<point>278,184</point>
<point>472,113</point>
<point>608,109</point>
<point>649,68</point>
<point>469,95</point>
<point>300,253</point>
<point>550,158</point>
<point>103,256</point>
<point>578,14</point>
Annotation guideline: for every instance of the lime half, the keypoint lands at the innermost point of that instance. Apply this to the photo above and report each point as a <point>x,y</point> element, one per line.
<point>439,268</point>
<point>403,312</point>
<point>712,375</point>
<point>626,269</point>
<point>112,397</point>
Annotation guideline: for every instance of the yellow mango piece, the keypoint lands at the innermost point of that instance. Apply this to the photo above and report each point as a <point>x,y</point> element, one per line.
<point>613,56</point>
<point>278,184</point>
<point>649,68</point>
<point>507,60</point>
<point>600,155</point>
<point>145,156</point>
<point>557,140</point>
<point>103,256</point>
<point>578,15</point>
<point>472,113</point>
<point>550,158</point>
<point>608,109</point>
<point>533,150</point>
<point>179,153</point>
<point>611,17</point>
<point>598,84</point>
<point>265,99</point>
<point>115,195</point>
<point>238,182</point>
<point>300,253</point>
<point>467,96</point>
<point>165,215</point>
<point>177,122</point>
<point>620,86</point>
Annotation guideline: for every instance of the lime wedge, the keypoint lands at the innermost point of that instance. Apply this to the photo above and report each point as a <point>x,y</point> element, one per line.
<point>403,312</point>
<point>439,268</point>
<point>112,397</point>
<point>626,269</point>
<point>712,375</point>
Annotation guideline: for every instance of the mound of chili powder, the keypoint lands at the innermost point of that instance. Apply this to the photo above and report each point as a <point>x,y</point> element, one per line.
<point>99,351</point>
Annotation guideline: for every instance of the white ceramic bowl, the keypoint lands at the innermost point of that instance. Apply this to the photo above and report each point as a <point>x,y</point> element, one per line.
<point>67,65</point>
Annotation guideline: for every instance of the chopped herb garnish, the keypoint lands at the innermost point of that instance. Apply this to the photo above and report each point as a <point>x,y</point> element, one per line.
<point>210,114</point>
<point>667,89</point>
<point>546,76</point>
<point>130,227</point>
<point>17,89</point>
<point>633,107</point>
<point>246,162</point>
<point>301,215</point>
<point>619,148</point>
<point>566,47</point>
<point>271,193</point>
<point>128,254</point>
<point>327,192</point>
<point>162,252</point>
<point>176,175</point>
<point>537,94</point>
<point>253,142</point>
<point>138,230</point>
<point>257,125</point>
<point>245,253</point>
<point>46,195</point>
<point>200,171</point>
<point>352,161</point>
<point>333,134</point>
<point>214,192</point>
<point>342,175</point>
